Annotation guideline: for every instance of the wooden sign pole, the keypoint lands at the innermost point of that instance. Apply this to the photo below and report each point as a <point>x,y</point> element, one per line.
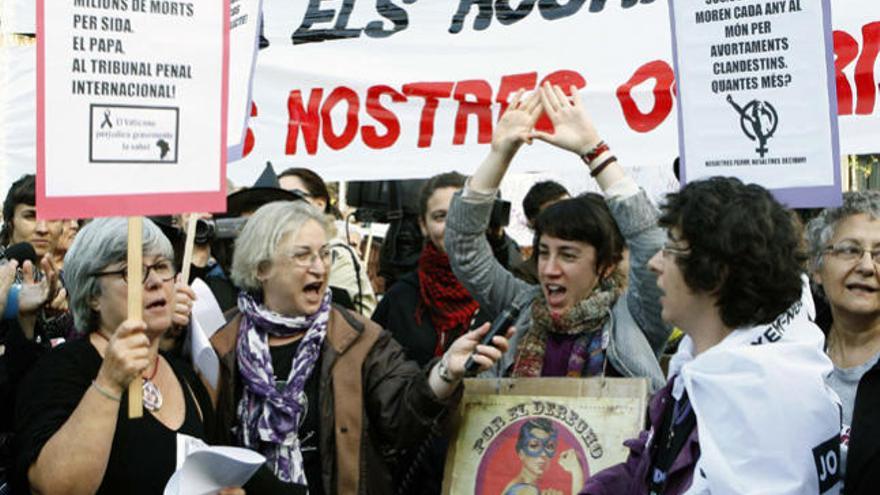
<point>135,303</point>
<point>188,248</point>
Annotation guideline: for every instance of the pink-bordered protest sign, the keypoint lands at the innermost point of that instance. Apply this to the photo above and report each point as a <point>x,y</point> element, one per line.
<point>131,107</point>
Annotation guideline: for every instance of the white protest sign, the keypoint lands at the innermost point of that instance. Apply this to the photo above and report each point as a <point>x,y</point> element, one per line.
<point>17,16</point>
<point>131,107</point>
<point>244,26</point>
<point>357,92</point>
<point>629,84</point>
<point>756,96</point>
<point>353,107</point>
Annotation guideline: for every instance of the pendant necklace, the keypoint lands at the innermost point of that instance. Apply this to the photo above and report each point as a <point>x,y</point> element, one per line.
<point>152,395</point>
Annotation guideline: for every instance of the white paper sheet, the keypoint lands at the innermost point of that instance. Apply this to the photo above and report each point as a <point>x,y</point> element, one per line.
<point>206,309</point>
<point>206,470</point>
<point>204,358</point>
<point>206,319</point>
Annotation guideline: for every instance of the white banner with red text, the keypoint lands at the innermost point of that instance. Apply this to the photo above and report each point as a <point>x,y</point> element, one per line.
<point>423,99</point>
<point>384,89</point>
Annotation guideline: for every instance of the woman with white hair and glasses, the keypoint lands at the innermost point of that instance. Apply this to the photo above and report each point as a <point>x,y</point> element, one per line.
<point>320,390</point>
<point>845,252</point>
<point>73,433</point>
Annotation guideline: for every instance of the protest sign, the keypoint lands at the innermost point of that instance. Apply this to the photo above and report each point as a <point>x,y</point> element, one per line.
<point>131,107</point>
<point>244,40</point>
<point>572,427</point>
<point>18,16</point>
<point>629,90</point>
<point>131,120</point>
<point>756,96</point>
<point>421,94</point>
<point>357,92</point>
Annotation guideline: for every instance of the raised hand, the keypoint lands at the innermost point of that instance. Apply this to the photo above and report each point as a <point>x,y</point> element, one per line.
<point>573,129</point>
<point>184,297</point>
<point>568,461</point>
<point>59,302</point>
<point>512,130</point>
<point>35,293</point>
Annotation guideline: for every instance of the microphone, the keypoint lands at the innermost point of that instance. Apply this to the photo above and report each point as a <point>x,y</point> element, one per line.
<point>21,252</point>
<point>499,327</point>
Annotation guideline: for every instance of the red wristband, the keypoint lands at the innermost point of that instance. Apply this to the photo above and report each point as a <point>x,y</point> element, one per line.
<point>598,170</point>
<point>591,156</point>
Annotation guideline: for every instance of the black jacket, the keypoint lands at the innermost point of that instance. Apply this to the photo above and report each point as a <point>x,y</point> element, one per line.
<point>863,459</point>
<point>396,313</point>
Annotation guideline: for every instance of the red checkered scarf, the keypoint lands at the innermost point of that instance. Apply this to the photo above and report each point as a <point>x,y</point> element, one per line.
<point>448,304</point>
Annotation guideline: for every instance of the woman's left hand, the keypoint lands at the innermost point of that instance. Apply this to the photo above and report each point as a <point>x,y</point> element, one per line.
<point>231,491</point>
<point>469,344</point>
<point>184,297</point>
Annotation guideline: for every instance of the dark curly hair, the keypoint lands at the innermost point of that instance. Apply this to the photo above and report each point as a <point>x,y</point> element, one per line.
<point>585,218</point>
<point>744,246</point>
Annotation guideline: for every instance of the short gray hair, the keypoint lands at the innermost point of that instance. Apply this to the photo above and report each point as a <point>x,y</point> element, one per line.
<point>100,243</point>
<point>821,229</point>
<point>264,230</point>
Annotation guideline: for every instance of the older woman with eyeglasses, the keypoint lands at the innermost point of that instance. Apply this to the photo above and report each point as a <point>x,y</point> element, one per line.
<point>319,390</point>
<point>845,252</point>
<point>73,434</point>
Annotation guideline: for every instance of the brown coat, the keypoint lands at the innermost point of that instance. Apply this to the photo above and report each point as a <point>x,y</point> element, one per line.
<point>388,404</point>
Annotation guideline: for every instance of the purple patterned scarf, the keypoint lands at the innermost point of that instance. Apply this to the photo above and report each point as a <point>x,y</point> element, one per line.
<point>269,418</point>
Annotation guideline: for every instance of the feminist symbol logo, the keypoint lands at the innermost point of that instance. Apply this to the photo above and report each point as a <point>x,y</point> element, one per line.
<point>758,120</point>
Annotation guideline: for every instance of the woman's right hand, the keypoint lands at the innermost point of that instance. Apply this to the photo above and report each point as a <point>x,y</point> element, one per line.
<point>518,120</point>
<point>126,356</point>
<point>572,128</point>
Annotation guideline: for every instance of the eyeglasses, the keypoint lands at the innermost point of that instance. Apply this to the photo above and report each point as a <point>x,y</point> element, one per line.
<point>163,268</point>
<point>670,251</point>
<point>852,252</point>
<point>306,258</point>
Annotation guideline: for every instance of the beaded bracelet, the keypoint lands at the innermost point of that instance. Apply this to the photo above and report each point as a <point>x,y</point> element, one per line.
<point>105,393</point>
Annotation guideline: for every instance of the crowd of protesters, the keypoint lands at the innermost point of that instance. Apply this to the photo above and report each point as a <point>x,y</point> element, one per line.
<point>345,392</point>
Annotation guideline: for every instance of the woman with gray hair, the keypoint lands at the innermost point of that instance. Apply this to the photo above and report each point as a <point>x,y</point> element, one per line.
<point>839,240</point>
<point>318,389</point>
<point>73,434</point>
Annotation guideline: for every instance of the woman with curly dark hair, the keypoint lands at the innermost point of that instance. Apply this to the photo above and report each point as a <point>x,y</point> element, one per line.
<point>746,409</point>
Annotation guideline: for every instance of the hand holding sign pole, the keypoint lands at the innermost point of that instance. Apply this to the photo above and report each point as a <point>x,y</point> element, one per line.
<point>154,144</point>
